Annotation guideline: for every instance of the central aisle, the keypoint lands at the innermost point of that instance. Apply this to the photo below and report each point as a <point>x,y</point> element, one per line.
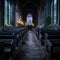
<point>31,49</point>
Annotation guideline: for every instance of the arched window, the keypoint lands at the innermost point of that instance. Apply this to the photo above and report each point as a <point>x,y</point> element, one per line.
<point>8,13</point>
<point>55,11</point>
<point>5,16</point>
<point>29,19</point>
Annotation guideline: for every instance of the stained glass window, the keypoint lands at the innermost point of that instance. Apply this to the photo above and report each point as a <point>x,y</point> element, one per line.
<point>29,19</point>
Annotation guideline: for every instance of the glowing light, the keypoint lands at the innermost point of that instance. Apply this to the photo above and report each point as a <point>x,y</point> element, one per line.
<point>19,21</point>
<point>32,24</point>
<point>25,24</point>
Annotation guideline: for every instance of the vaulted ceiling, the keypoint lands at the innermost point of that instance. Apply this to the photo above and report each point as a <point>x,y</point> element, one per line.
<point>30,6</point>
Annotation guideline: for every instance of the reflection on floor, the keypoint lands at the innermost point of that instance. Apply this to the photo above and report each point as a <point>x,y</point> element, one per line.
<point>32,49</point>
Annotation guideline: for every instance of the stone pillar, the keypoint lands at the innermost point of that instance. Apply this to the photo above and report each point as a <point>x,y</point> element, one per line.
<point>52,12</point>
<point>59,11</point>
<point>13,14</point>
<point>2,13</point>
<point>49,8</point>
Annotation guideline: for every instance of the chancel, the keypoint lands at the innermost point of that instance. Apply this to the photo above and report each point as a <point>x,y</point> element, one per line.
<point>29,29</point>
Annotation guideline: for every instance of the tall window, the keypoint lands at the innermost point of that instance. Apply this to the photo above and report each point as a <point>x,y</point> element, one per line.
<point>5,16</point>
<point>29,19</point>
<point>54,12</point>
<point>8,13</point>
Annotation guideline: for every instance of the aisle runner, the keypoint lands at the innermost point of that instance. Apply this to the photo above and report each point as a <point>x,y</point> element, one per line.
<point>32,49</point>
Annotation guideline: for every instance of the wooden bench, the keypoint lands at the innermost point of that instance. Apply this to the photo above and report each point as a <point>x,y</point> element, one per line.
<point>54,39</point>
<point>10,41</point>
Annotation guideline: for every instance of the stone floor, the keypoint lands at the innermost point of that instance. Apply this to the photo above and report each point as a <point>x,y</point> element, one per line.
<point>31,49</point>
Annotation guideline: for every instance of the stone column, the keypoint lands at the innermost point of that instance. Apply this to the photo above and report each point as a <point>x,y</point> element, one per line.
<point>52,11</point>
<point>13,14</point>
<point>2,13</point>
<point>49,8</point>
<point>59,11</point>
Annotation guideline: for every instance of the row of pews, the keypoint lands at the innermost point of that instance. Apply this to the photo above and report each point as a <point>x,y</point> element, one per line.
<point>11,42</point>
<point>50,39</point>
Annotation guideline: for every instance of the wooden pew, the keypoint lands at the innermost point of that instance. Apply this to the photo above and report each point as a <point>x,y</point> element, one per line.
<point>10,41</point>
<point>53,38</point>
